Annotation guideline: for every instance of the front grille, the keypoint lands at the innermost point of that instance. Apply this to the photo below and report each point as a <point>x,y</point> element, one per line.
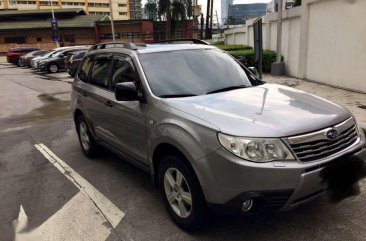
<point>320,146</point>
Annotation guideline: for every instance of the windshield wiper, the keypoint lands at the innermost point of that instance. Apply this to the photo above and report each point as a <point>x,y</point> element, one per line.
<point>176,95</point>
<point>227,89</point>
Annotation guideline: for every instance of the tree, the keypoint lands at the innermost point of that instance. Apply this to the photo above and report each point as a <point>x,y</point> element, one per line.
<point>151,9</point>
<point>297,3</point>
<point>174,11</point>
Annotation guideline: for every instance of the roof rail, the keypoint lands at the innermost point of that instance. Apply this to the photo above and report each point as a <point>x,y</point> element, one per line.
<point>193,40</point>
<point>113,45</point>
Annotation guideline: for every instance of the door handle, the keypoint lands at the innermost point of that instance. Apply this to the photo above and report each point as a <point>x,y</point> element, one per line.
<point>108,103</point>
<point>83,93</point>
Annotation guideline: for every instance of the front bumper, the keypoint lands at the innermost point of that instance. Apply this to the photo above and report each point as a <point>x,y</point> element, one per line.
<point>227,180</point>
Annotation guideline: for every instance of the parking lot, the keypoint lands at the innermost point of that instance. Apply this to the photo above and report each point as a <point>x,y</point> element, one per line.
<point>50,191</point>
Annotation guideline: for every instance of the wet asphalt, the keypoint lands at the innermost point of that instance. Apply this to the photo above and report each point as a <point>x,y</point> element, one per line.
<point>35,108</point>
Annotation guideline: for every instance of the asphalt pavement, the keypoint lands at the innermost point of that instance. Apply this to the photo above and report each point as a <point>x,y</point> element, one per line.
<point>50,191</point>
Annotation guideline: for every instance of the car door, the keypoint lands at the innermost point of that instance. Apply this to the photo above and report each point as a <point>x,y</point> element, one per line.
<point>126,120</point>
<point>97,95</point>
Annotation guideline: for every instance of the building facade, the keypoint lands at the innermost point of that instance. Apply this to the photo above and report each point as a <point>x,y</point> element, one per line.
<point>239,13</point>
<point>122,9</point>
<point>32,28</point>
<point>224,9</point>
<point>272,6</point>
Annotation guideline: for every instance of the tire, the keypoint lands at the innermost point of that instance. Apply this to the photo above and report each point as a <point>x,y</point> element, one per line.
<point>194,216</point>
<point>86,140</point>
<point>52,68</point>
<point>17,62</point>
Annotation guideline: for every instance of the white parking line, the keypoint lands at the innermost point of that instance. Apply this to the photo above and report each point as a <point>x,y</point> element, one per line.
<point>84,217</point>
<point>112,213</point>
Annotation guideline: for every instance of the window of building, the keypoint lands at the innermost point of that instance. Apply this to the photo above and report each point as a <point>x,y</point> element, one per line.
<point>15,40</point>
<point>98,4</point>
<point>100,70</point>
<point>122,5</point>
<point>39,39</point>
<point>122,13</point>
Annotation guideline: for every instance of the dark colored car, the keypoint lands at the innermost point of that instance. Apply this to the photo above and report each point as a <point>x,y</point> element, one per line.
<point>13,54</point>
<point>57,61</point>
<point>73,61</point>
<point>25,60</point>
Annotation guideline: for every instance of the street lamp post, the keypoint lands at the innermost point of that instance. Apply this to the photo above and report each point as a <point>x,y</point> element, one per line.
<point>278,68</point>
<point>53,19</point>
<point>112,23</point>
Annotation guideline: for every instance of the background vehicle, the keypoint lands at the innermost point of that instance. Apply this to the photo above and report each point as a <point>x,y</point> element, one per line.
<point>25,60</point>
<point>56,61</point>
<point>210,133</point>
<point>73,61</point>
<point>13,55</point>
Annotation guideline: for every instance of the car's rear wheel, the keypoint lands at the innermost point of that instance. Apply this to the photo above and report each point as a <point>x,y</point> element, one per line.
<point>182,193</point>
<point>52,68</point>
<point>87,142</point>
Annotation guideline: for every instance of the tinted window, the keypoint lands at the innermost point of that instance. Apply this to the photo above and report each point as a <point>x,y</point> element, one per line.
<point>85,68</point>
<point>99,73</point>
<point>192,72</point>
<point>122,70</point>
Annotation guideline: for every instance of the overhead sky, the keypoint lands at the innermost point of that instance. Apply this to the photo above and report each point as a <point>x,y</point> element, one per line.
<point>217,5</point>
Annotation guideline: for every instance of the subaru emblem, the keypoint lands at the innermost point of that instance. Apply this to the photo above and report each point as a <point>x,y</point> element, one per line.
<point>332,134</point>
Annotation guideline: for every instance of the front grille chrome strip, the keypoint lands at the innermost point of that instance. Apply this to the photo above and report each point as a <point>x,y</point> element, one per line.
<point>321,135</point>
<point>316,146</point>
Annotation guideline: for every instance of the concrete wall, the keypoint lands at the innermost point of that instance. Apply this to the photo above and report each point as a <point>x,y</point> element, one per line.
<point>322,40</point>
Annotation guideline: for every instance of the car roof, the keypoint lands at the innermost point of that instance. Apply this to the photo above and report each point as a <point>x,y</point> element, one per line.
<point>151,48</point>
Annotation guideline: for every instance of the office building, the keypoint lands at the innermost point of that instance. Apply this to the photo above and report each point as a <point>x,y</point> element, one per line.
<point>239,13</point>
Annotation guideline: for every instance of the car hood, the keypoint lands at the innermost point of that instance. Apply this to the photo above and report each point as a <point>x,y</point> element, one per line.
<point>267,110</point>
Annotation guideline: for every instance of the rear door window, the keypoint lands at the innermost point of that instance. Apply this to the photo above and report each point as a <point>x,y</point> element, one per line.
<point>85,68</point>
<point>100,71</point>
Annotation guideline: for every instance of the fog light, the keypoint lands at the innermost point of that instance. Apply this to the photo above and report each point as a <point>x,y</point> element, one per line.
<point>247,205</point>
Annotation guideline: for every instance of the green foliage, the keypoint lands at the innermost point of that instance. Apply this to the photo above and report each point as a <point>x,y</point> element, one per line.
<point>151,9</point>
<point>269,57</point>
<point>297,3</point>
<point>232,47</point>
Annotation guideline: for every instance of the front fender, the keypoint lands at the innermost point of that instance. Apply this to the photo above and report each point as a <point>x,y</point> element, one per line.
<point>193,140</point>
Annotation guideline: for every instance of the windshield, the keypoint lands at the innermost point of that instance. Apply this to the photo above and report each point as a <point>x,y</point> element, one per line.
<point>192,72</point>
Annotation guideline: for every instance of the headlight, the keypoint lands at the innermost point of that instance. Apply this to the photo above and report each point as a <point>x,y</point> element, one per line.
<point>256,149</point>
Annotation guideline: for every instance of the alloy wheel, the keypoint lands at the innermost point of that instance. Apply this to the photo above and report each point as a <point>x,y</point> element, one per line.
<point>84,136</point>
<point>178,192</point>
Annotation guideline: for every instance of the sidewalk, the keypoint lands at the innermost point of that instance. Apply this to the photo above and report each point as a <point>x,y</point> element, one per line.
<point>355,102</point>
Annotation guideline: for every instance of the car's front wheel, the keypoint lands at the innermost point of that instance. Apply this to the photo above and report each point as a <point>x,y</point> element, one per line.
<point>87,142</point>
<point>181,193</point>
<point>52,68</point>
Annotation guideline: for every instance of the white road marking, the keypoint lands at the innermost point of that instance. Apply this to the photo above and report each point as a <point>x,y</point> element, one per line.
<point>89,215</point>
<point>78,219</point>
<point>112,213</point>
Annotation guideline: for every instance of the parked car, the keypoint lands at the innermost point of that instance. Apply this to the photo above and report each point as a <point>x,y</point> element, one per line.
<point>56,62</point>
<point>25,60</point>
<point>36,60</point>
<point>13,54</point>
<point>73,61</point>
<point>211,134</point>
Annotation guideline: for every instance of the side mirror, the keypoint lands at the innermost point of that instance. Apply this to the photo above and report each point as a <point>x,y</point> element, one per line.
<point>126,91</point>
<point>254,71</point>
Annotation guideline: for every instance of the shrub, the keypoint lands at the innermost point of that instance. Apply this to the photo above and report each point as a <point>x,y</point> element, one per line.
<point>269,57</point>
<point>232,47</point>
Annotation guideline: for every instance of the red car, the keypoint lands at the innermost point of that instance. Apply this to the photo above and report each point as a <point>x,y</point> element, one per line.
<point>13,55</point>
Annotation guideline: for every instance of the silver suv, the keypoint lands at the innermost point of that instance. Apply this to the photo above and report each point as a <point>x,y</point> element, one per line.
<point>211,134</point>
